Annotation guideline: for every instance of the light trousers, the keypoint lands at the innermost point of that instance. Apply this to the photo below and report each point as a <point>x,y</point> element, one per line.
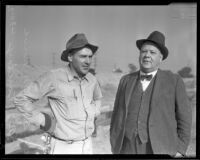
<point>77,147</point>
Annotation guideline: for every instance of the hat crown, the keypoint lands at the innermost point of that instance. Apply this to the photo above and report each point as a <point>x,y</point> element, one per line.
<point>157,37</point>
<point>76,40</point>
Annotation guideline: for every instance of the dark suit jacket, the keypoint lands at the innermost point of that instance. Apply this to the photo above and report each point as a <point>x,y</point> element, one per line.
<point>170,114</point>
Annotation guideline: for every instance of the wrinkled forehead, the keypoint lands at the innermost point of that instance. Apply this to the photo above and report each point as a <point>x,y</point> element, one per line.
<point>151,44</point>
<point>85,51</point>
<point>82,50</point>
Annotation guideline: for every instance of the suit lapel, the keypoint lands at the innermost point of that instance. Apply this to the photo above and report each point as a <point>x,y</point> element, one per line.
<point>130,87</point>
<point>158,85</point>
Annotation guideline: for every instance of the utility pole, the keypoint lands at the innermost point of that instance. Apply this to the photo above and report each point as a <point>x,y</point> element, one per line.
<point>10,51</point>
<point>26,50</point>
<point>53,59</point>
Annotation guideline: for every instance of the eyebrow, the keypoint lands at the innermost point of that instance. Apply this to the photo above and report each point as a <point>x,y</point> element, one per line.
<point>147,49</point>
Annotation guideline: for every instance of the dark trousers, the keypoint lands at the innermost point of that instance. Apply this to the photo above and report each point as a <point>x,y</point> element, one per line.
<point>135,146</point>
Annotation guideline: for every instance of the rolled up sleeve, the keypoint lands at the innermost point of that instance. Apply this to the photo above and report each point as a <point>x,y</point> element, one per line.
<point>38,89</point>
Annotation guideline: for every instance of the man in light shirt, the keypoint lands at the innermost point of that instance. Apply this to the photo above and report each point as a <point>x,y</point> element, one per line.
<point>74,98</point>
<point>151,113</point>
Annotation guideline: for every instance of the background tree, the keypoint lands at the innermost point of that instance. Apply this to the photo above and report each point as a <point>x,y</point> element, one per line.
<point>185,72</point>
<point>92,70</point>
<point>53,59</point>
<point>132,67</point>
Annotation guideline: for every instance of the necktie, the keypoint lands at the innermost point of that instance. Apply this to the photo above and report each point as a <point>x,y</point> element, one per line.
<point>147,77</point>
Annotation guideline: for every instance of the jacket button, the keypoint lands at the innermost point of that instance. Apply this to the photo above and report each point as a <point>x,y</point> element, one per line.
<point>151,125</point>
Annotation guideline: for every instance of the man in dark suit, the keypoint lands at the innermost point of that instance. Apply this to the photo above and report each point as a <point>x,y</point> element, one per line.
<point>151,113</point>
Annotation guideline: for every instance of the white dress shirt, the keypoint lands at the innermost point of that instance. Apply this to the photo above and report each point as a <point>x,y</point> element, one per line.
<point>145,83</point>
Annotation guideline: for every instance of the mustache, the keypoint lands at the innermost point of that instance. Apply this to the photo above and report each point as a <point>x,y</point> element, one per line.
<point>86,66</point>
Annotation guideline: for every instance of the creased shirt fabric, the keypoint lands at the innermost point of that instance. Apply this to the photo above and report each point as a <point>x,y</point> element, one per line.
<point>72,101</point>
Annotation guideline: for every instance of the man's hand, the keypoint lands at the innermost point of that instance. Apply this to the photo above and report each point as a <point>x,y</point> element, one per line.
<point>36,118</point>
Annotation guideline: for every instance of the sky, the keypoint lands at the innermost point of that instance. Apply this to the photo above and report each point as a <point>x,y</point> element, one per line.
<point>43,31</point>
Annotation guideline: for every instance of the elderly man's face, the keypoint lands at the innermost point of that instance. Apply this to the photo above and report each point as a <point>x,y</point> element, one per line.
<point>150,57</point>
<point>80,61</point>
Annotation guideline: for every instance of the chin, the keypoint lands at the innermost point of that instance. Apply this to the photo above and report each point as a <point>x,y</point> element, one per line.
<point>147,70</point>
<point>148,65</point>
<point>84,72</point>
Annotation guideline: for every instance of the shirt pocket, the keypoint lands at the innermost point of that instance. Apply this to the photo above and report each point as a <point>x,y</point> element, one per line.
<point>70,106</point>
<point>73,109</point>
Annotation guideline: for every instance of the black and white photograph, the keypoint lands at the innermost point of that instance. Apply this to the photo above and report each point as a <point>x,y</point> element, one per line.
<point>101,79</point>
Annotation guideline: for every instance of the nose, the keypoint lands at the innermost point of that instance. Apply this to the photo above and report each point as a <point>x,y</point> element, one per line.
<point>88,60</point>
<point>147,54</point>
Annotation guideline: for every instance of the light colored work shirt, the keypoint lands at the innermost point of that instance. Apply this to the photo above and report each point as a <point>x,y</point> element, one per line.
<point>72,101</point>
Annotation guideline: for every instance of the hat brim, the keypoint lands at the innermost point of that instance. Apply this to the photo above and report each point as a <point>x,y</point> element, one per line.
<point>64,55</point>
<point>163,49</point>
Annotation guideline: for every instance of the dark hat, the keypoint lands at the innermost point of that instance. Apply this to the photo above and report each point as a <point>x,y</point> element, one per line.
<point>156,38</point>
<point>78,41</point>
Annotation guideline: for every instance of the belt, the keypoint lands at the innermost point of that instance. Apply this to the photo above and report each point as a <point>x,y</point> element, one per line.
<point>69,141</point>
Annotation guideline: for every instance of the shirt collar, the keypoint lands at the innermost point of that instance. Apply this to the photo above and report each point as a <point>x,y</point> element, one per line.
<point>153,73</point>
<point>72,75</point>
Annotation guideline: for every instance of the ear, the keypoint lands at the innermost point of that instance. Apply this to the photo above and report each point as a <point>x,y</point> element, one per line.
<point>161,57</point>
<point>70,57</point>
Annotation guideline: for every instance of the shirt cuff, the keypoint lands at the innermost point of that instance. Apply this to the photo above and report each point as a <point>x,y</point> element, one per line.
<point>47,125</point>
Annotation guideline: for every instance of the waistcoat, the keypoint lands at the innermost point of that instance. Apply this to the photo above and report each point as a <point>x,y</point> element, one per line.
<point>138,112</point>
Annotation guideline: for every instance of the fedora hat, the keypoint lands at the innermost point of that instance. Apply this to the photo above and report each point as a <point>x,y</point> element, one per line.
<point>156,38</point>
<point>78,41</point>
